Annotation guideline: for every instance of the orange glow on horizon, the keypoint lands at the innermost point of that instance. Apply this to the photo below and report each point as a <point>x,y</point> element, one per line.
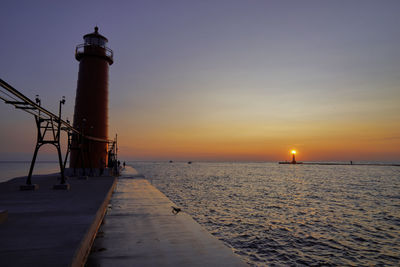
<point>250,141</point>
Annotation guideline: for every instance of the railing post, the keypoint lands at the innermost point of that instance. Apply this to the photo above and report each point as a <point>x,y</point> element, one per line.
<point>63,185</point>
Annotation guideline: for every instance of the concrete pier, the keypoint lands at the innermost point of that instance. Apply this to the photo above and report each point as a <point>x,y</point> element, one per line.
<point>50,227</point>
<point>141,230</point>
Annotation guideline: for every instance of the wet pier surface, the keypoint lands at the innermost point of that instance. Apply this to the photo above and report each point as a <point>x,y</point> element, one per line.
<point>141,230</point>
<point>50,227</point>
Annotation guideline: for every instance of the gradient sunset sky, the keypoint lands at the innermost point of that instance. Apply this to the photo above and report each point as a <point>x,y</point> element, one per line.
<point>216,80</point>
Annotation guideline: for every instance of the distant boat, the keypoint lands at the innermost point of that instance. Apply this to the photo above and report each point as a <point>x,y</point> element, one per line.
<point>170,161</point>
<point>189,162</point>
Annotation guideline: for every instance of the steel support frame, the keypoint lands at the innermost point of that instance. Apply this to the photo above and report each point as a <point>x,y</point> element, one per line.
<point>43,127</point>
<point>52,123</point>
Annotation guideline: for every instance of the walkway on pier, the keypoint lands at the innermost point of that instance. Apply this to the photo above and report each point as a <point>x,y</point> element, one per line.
<point>140,230</point>
<point>50,227</point>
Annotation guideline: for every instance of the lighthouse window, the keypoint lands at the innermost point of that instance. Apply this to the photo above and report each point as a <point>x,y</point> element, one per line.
<point>101,42</point>
<point>95,41</point>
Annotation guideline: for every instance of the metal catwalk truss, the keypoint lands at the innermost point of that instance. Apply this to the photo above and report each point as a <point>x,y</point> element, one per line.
<point>49,127</point>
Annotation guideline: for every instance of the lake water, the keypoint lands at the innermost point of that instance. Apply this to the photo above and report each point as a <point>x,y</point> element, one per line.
<point>273,214</point>
<point>13,169</point>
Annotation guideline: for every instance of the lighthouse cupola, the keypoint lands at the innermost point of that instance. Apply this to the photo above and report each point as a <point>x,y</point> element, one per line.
<point>94,45</point>
<point>95,38</point>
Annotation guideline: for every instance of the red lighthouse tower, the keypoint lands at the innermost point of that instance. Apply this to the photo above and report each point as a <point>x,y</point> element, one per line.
<point>91,103</point>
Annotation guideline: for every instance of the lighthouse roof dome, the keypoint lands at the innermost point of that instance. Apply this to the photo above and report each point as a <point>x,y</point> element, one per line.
<point>95,34</point>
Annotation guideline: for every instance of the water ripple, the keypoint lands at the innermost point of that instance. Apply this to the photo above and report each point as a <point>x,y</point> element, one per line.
<point>290,215</point>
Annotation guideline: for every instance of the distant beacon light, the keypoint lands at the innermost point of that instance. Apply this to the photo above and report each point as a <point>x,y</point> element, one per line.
<point>293,156</point>
<point>91,102</point>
